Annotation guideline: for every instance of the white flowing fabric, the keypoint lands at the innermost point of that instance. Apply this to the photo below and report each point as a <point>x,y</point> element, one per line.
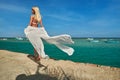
<point>35,36</point>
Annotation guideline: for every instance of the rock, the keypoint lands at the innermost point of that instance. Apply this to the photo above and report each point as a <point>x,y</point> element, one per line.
<point>17,66</point>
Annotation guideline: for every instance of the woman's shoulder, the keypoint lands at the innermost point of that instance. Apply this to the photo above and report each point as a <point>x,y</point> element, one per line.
<point>32,16</point>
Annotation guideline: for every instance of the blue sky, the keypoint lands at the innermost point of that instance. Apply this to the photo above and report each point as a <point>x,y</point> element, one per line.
<point>79,18</point>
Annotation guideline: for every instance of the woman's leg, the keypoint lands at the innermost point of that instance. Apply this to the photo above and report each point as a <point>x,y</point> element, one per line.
<point>37,56</point>
<point>37,43</point>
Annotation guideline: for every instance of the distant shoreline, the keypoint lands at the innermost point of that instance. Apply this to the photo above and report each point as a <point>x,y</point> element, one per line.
<point>75,37</point>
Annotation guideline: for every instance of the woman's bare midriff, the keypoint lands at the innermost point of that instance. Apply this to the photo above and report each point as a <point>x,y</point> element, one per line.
<point>34,25</point>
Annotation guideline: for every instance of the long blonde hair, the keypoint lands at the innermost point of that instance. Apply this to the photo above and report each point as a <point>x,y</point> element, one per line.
<point>37,13</point>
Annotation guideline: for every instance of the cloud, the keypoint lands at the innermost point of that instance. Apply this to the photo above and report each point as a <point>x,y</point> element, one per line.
<point>100,23</point>
<point>69,16</point>
<point>59,17</point>
<point>13,8</point>
<point>1,19</point>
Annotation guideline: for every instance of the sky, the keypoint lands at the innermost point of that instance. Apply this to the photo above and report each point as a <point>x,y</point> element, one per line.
<point>78,18</point>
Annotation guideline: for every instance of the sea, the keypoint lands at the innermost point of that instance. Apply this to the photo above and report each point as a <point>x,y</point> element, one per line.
<point>101,51</point>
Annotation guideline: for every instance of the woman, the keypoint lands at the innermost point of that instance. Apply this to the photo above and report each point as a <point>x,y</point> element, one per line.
<point>35,34</point>
<point>34,20</point>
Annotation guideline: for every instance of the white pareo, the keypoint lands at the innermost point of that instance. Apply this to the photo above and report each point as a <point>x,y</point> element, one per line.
<point>35,36</point>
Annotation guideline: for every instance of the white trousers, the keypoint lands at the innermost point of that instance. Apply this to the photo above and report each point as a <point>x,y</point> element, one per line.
<point>35,36</point>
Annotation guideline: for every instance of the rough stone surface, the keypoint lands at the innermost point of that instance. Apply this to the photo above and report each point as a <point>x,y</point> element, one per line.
<point>17,66</point>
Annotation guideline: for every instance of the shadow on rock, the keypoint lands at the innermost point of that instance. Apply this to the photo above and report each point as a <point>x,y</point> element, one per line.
<point>36,76</point>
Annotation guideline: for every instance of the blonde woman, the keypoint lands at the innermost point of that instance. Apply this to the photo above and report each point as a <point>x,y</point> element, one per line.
<point>35,36</point>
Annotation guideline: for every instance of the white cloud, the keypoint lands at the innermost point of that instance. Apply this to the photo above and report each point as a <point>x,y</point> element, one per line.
<point>60,17</point>
<point>13,8</point>
<point>1,19</point>
<point>99,23</point>
<point>69,16</point>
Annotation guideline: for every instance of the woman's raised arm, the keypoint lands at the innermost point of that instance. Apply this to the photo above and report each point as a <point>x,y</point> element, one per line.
<point>30,23</point>
<point>41,25</point>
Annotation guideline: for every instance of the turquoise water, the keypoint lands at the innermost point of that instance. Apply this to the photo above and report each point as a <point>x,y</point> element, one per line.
<point>97,51</point>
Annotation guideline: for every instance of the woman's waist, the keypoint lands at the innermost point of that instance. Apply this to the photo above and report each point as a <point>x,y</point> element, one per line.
<point>34,27</point>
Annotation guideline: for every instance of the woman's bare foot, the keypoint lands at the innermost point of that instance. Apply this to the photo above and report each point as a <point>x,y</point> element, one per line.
<point>37,58</point>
